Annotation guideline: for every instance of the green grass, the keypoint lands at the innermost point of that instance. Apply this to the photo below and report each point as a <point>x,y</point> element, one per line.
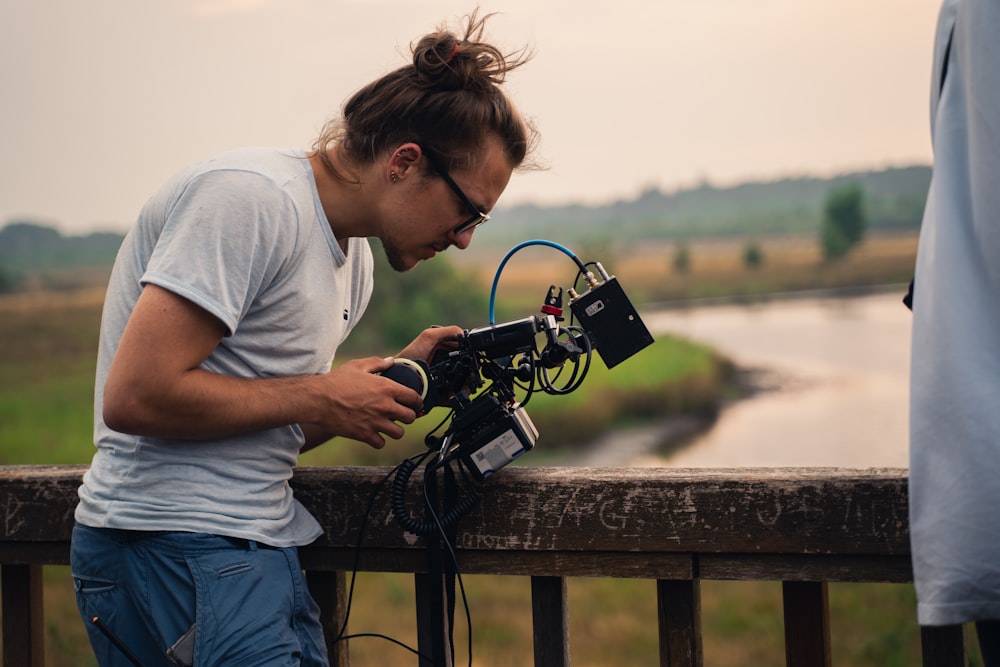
<point>47,362</point>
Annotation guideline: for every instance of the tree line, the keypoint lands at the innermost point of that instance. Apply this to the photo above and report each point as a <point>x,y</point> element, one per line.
<point>433,293</point>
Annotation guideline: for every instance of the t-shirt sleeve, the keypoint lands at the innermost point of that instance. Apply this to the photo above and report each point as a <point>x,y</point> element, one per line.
<point>225,238</point>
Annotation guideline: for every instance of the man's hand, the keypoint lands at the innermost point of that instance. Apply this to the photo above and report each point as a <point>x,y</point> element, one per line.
<point>371,410</point>
<point>363,405</point>
<point>430,341</point>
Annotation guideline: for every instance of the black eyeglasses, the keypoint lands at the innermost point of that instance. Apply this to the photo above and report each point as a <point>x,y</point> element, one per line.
<point>478,217</point>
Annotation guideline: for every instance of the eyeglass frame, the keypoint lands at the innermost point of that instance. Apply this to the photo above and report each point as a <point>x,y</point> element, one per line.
<point>478,218</point>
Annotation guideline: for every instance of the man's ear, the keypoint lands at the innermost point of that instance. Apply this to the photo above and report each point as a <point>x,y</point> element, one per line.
<point>404,161</point>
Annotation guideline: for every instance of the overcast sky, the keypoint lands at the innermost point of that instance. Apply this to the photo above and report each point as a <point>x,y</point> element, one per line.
<point>104,99</point>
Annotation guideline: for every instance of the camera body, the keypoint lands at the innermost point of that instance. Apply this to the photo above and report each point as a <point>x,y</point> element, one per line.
<point>489,431</point>
<point>491,434</point>
<point>489,427</point>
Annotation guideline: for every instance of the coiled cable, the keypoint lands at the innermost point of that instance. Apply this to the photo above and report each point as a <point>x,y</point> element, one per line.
<point>397,502</point>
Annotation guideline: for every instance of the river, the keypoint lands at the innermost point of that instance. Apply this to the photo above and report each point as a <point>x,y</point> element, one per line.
<point>832,375</point>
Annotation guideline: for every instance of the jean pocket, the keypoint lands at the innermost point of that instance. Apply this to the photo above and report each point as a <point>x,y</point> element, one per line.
<point>233,569</point>
<point>91,585</point>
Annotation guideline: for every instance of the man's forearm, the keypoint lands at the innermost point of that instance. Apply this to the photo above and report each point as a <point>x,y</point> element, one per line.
<point>200,405</point>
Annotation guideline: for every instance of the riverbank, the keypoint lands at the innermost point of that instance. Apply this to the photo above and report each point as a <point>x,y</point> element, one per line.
<point>656,441</point>
<point>823,382</point>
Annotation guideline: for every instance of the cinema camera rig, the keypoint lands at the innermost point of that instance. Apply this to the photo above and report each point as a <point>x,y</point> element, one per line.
<point>489,427</point>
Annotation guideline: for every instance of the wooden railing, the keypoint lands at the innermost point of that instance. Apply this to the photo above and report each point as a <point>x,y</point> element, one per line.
<point>803,527</point>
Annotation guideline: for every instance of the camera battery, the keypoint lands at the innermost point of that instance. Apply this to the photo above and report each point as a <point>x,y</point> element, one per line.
<point>614,326</point>
<point>503,442</point>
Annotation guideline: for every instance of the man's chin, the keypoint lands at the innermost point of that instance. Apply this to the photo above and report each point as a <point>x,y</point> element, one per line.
<point>398,261</point>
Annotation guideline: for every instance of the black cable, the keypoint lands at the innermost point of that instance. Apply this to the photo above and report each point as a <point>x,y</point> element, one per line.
<point>406,467</point>
<point>116,641</point>
<point>360,635</point>
<point>429,473</point>
<point>577,376</point>
<point>397,501</point>
<point>357,551</point>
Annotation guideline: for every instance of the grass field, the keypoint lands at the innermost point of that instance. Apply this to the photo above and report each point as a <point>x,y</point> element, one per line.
<point>47,360</point>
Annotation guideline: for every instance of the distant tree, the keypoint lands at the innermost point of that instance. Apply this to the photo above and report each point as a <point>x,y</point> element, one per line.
<point>753,255</point>
<point>22,239</point>
<point>844,220</point>
<point>682,258</point>
<point>8,281</point>
<point>26,245</point>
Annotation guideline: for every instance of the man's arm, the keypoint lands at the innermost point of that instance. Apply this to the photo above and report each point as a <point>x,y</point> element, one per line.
<point>155,386</point>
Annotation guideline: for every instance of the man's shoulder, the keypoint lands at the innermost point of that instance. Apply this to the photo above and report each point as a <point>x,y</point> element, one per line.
<point>277,164</point>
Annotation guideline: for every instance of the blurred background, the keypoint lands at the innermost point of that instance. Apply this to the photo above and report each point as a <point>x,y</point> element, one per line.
<point>108,98</point>
<point>753,173</point>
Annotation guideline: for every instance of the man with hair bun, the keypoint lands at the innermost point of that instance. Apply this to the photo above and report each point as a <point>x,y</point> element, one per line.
<point>228,300</point>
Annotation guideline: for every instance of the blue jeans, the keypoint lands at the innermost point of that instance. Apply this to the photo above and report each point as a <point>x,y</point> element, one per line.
<point>249,602</point>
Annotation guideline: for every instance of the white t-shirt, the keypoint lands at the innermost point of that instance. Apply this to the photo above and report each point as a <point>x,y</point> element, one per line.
<point>244,237</point>
<point>955,376</point>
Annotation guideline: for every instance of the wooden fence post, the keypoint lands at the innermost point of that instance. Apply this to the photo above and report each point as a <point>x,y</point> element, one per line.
<point>943,646</point>
<point>329,590</point>
<point>679,611</point>
<point>807,624</point>
<point>433,629</point>
<point>550,620</point>
<point>23,616</point>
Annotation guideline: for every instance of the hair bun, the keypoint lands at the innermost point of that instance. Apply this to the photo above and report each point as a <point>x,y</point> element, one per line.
<point>444,61</point>
<point>440,65</point>
<point>449,100</point>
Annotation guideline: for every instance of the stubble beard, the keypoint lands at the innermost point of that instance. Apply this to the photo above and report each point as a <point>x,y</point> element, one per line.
<point>395,257</point>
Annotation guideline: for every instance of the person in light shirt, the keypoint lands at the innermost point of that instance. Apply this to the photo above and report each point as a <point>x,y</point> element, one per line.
<point>955,370</point>
<point>228,300</point>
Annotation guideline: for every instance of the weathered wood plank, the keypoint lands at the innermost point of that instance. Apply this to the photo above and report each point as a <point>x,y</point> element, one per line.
<point>673,566</point>
<point>808,511</point>
<point>35,553</point>
<point>525,563</point>
<point>805,567</point>
<point>37,502</point>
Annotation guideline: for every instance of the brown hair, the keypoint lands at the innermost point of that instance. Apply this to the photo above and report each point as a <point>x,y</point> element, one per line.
<point>447,101</point>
